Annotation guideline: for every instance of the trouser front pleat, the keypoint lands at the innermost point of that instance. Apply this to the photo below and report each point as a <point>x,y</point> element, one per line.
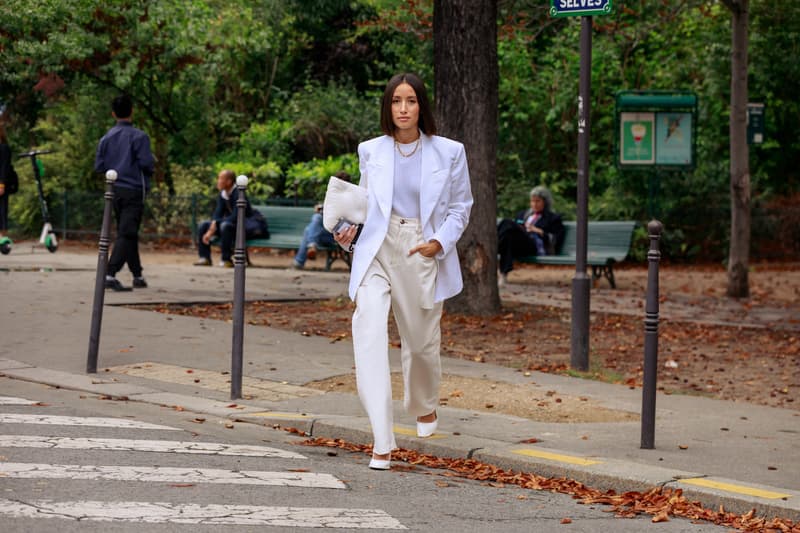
<point>406,285</point>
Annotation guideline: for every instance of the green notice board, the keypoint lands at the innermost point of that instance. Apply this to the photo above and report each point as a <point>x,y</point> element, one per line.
<point>656,128</point>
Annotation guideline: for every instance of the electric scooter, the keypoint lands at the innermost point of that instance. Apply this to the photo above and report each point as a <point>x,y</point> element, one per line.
<point>48,236</point>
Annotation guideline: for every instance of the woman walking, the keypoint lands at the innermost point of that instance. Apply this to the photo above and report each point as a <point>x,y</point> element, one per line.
<point>405,258</point>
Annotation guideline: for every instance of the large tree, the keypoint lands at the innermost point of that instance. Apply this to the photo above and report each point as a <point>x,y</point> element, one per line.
<point>739,252</point>
<point>466,79</point>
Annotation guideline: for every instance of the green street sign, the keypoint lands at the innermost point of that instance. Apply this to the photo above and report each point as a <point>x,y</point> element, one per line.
<point>579,8</point>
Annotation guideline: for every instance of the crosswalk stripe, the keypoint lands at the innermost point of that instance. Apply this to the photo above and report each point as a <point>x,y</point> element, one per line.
<point>168,475</point>
<point>13,418</point>
<point>163,446</point>
<point>10,400</point>
<point>164,512</point>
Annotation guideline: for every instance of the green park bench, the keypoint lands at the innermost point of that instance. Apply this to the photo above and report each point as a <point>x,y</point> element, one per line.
<point>286,226</point>
<point>608,243</point>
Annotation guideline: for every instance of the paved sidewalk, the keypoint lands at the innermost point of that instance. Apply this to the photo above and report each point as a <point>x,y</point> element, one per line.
<point>738,455</point>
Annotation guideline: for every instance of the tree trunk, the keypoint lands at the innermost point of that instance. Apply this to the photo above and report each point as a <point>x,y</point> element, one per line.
<point>466,91</point>
<point>738,257</point>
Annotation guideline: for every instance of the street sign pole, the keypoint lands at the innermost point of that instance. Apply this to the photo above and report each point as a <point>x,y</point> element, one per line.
<point>579,342</point>
<point>579,353</point>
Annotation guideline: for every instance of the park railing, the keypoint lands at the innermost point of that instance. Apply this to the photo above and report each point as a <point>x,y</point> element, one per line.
<point>78,215</point>
<point>693,234</point>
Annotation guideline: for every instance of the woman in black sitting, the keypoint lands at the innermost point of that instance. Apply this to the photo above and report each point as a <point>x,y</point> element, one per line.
<point>535,231</point>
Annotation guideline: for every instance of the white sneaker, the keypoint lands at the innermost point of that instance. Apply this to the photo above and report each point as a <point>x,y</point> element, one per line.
<point>502,280</point>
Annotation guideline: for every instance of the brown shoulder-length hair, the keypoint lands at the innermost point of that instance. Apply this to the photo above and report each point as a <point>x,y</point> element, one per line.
<point>426,122</point>
<point>3,136</point>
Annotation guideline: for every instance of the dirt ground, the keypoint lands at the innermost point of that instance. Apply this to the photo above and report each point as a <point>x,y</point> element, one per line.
<point>741,361</point>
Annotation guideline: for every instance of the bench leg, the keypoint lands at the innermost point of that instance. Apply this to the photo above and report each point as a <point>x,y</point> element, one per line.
<point>606,271</point>
<point>338,253</point>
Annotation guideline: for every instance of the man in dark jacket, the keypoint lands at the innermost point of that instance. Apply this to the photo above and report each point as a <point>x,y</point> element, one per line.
<point>127,150</point>
<point>536,231</point>
<point>223,222</point>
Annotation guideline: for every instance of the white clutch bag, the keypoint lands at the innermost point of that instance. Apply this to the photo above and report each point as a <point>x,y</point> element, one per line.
<point>344,202</point>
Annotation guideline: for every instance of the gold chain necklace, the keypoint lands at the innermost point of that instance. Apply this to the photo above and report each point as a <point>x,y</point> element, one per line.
<point>412,152</point>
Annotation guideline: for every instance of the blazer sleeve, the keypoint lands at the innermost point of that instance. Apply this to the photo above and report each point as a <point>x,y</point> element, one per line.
<point>219,210</point>
<point>460,205</point>
<point>555,231</point>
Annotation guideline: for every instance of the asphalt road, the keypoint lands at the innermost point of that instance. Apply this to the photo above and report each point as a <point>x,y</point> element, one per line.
<point>135,471</point>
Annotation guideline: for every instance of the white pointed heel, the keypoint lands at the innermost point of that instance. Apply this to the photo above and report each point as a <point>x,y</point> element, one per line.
<point>380,464</point>
<point>426,429</point>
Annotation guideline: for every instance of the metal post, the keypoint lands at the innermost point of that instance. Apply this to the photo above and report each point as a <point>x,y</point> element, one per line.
<point>195,237</point>
<point>654,228</point>
<point>100,279</point>
<point>579,359</point>
<point>64,218</point>
<point>239,265</point>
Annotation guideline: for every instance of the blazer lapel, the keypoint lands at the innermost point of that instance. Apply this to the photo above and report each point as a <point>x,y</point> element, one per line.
<point>381,180</point>
<point>433,179</point>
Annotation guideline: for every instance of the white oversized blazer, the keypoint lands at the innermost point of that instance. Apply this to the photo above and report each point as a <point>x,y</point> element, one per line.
<point>445,204</point>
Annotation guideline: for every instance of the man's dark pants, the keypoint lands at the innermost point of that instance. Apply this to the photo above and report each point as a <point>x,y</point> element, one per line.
<point>128,209</point>
<point>227,236</point>
<point>227,239</point>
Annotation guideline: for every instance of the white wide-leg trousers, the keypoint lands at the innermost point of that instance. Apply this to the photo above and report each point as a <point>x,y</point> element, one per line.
<point>406,284</point>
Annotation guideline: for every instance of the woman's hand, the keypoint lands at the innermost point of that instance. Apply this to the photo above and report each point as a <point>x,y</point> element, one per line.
<point>345,237</point>
<point>535,229</point>
<point>427,249</point>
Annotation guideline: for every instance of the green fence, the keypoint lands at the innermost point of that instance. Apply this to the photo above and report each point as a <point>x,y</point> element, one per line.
<point>79,215</point>
<point>690,234</point>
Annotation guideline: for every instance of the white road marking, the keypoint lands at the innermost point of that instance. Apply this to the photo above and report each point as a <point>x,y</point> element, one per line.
<point>163,512</point>
<point>168,475</point>
<point>128,445</point>
<point>10,418</point>
<point>10,400</point>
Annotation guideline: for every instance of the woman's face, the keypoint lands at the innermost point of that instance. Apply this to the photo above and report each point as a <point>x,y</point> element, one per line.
<point>405,108</point>
<point>537,204</point>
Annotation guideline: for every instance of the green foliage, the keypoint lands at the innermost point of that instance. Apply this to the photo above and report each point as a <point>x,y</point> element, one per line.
<point>330,120</point>
<point>271,140</point>
<point>284,90</point>
<point>309,179</point>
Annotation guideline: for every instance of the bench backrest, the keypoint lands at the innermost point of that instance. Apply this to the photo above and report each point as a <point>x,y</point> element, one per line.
<point>611,239</point>
<point>286,219</point>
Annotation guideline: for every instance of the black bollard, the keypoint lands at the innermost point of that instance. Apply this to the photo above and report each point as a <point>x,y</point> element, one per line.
<point>654,229</point>
<point>239,265</point>
<point>100,280</point>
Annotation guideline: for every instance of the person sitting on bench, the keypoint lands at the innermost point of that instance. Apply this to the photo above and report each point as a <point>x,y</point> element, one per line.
<point>535,231</point>
<point>315,234</point>
<point>223,222</point>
